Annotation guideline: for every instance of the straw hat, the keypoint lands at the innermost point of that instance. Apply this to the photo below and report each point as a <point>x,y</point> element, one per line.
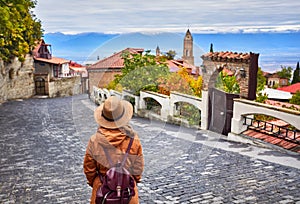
<point>113,113</point>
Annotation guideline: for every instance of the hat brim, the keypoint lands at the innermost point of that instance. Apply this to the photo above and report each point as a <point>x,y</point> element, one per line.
<point>126,117</point>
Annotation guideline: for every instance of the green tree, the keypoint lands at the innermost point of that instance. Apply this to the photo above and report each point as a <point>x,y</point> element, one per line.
<point>296,75</point>
<point>261,98</point>
<point>295,98</point>
<point>170,54</point>
<point>286,72</point>
<point>140,72</point>
<point>19,29</point>
<point>144,78</point>
<point>229,84</point>
<point>211,48</point>
<point>133,61</point>
<point>261,81</point>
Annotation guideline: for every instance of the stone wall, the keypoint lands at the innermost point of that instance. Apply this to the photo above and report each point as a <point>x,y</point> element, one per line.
<point>211,73</point>
<point>16,79</point>
<point>65,87</point>
<point>42,67</point>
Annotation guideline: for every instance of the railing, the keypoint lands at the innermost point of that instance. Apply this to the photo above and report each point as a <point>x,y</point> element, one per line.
<point>68,75</point>
<point>273,129</point>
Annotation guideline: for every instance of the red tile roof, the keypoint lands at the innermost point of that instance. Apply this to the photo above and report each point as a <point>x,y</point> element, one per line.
<point>39,43</point>
<point>228,72</point>
<point>266,74</point>
<point>115,60</point>
<point>53,60</point>
<point>37,47</point>
<point>226,56</point>
<point>75,64</point>
<point>175,65</point>
<point>292,88</point>
<point>274,75</point>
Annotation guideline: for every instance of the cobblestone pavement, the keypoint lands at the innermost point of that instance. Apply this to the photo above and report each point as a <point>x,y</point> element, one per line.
<point>42,144</point>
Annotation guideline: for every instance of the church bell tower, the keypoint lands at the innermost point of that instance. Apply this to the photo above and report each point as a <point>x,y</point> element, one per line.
<point>188,48</point>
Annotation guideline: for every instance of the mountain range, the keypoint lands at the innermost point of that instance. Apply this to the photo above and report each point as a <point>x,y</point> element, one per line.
<point>275,49</point>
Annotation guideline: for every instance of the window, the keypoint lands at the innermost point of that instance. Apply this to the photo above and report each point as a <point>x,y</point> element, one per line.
<point>55,70</point>
<point>283,82</point>
<point>186,52</point>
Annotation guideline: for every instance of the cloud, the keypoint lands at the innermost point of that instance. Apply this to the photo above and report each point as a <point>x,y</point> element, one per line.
<point>116,16</point>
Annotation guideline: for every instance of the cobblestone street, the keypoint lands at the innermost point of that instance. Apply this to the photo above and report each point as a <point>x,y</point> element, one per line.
<point>42,145</point>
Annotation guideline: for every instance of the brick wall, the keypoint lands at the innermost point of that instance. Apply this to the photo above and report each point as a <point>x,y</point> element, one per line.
<point>101,78</point>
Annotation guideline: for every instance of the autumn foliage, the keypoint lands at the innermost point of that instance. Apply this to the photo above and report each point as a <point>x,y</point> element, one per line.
<point>182,82</point>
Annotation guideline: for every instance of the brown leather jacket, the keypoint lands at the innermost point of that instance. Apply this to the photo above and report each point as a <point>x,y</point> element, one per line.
<point>116,142</point>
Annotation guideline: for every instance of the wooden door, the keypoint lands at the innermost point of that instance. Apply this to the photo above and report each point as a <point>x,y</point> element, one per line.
<point>220,111</point>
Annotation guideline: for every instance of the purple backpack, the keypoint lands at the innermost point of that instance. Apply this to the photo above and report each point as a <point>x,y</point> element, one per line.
<point>117,184</point>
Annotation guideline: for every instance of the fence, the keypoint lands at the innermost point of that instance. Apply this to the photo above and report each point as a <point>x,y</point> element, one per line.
<point>273,129</point>
<point>169,108</point>
<point>244,108</point>
<point>154,105</point>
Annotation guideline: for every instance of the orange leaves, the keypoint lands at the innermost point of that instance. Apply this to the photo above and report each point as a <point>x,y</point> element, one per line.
<point>181,82</point>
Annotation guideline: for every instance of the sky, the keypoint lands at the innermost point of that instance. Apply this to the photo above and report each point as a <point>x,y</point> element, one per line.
<point>205,16</point>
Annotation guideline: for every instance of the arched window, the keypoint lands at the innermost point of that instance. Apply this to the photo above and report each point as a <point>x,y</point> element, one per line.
<point>187,53</point>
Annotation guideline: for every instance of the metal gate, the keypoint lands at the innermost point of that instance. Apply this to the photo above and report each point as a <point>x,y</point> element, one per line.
<point>40,86</point>
<point>220,110</point>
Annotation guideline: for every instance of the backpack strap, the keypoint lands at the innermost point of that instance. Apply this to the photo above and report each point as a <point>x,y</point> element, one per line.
<point>122,165</point>
<point>127,152</point>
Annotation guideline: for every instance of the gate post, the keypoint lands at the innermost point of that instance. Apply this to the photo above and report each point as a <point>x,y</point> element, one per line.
<point>237,121</point>
<point>204,111</point>
<point>142,103</point>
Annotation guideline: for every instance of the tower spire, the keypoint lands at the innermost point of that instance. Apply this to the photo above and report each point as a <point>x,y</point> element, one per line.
<point>188,47</point>
<point>157,51</point>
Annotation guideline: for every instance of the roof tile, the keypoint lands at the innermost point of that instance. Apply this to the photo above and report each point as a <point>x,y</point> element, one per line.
<point>53,60</point>
<point>292,88</point>
<point>115,60</point>
<point>226,56</point>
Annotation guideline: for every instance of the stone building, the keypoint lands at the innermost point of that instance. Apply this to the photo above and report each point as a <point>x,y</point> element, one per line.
<point>243,65</point>
<point>45,63</point>
<point>52,75</point>
<point>274,79</point>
